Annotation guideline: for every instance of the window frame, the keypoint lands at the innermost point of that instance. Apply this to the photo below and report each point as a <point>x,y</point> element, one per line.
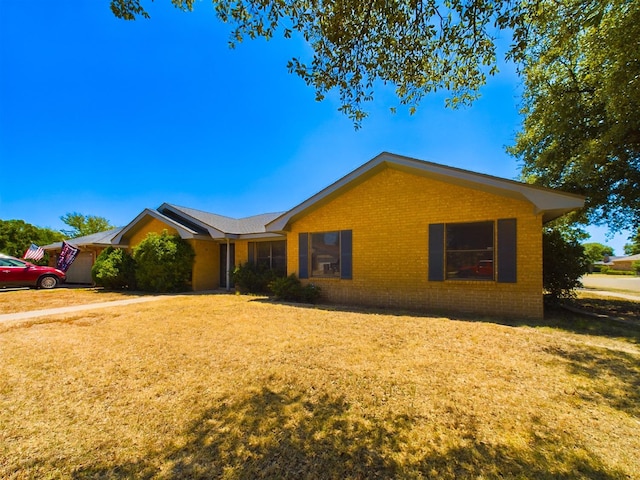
<point>474,268</point>
<point>330,268</point>
<point>343,253</point>
<point>253,253</point>
<point>505,251</point>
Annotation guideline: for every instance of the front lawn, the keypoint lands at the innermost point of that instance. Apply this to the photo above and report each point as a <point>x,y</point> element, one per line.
<point>236,387</point>
<point>26,300</point>
<point>628,310</point>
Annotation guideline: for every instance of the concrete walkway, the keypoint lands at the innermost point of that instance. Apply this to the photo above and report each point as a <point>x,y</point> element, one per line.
<point>75,308</point>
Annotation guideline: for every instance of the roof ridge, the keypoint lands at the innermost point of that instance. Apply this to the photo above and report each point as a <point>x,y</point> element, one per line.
<point>183,208</point>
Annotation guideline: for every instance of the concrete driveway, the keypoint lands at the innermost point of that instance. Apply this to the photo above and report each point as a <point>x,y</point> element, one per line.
<point>615,284</point>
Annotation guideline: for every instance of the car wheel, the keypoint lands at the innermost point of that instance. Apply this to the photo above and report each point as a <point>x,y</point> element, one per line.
<point>48,281</point>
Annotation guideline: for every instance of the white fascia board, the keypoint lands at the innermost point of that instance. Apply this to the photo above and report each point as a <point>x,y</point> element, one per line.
<point>542,199</point>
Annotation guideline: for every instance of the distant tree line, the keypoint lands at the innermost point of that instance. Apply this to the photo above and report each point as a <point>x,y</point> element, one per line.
<point>17,235</point>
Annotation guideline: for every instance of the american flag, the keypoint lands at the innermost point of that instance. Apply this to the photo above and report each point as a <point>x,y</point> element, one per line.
<point>34,252</point>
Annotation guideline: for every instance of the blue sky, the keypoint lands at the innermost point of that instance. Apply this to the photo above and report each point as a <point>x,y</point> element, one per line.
<point>106,117</point>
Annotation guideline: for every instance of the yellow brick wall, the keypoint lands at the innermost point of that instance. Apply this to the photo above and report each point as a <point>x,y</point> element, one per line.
<point>143,228</point>
<point>242,251</point>
<point>206,266</point>
<point>390,214</point>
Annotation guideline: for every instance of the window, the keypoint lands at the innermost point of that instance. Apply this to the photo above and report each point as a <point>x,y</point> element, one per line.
<point>272,255</point>
<point>474,250</point>
<point>325,254</point>
<point>11,262</point>
<point>469,250</point>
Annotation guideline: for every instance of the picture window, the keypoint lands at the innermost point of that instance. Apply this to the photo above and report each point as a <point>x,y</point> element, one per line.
<point>469,251</point>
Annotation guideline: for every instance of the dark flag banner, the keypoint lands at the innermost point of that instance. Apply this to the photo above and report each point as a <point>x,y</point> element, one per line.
<point>67,256</point>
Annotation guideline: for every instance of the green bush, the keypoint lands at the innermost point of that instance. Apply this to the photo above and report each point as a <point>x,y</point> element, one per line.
<point>290,289</point>
<point>605,269</point>
<point>636,267</point>
<point>620,272</point>
<point>563,263</point>
<point>164,263</point>
<point>114,269</point>
<point>249,278</point>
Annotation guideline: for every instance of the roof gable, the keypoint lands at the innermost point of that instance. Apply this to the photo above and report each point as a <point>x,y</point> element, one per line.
<point>550,203</point>
<point>183,230</point>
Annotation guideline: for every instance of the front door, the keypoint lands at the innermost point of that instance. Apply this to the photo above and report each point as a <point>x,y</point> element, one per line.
<point>223,264</point>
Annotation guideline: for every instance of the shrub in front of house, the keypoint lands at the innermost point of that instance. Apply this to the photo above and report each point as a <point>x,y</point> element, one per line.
<point>563,263</point>
<point>114,269</point>
<point>620,272</point>
<point>164,263</point>
<point>250,278</point>
<point>291,289</point>
<point>636,267</point>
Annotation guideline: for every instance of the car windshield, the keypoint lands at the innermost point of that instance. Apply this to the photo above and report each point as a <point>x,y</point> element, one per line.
<point>11,262</point>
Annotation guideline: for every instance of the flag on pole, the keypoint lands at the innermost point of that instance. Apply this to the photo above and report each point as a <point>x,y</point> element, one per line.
<point>34,252</point>
<point>67,256</point>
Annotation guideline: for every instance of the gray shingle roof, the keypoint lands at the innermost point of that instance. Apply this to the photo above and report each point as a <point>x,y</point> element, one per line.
<point>626,258</point>
<point>100,238</point>
<point>236,226</point>
<point>551,203</point>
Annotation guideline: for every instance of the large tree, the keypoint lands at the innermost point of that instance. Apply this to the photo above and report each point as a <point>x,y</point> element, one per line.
<point>633,247</point>
<point>417,46</point>
<point>82,225</point>
<point>17,235</point>
<point>579,59</point>
<point>596,252</point>
<point>581,130</point>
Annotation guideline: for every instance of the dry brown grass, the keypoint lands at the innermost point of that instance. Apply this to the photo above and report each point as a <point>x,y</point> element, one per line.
<point>236,387</point>
<point>615,307</point>
<point>27,300</point>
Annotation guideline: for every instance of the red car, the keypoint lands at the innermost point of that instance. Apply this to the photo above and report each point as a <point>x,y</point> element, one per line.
<point>20,273</point>
<point>483,269</point>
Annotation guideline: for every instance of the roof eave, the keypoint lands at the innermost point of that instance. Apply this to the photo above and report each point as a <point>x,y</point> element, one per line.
<point>215,233</point>
<point>549,202</point>
<point>183,231</point>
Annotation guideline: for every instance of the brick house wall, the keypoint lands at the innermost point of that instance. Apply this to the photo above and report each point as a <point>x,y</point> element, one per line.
<point>389,215</point>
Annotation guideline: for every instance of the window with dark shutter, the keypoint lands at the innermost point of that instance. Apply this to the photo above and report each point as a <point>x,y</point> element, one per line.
<point>252,253</point>
<point>346,268</point>
<point>326,254</point>
<point>507,251</point>
<point>436,252</point>
<point>469,250</point>
<point>303,255</point>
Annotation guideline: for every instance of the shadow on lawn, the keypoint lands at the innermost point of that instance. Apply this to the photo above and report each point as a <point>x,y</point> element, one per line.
<point>555,317</point>
<point>282,435</point>
<point>614,376</point>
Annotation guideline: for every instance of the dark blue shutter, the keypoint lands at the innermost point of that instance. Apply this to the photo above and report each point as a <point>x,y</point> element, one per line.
<point>507,261</point>
<point>346,269</point>
<point>303,255</point>
<point>252,251</point>
<point>436,252</point>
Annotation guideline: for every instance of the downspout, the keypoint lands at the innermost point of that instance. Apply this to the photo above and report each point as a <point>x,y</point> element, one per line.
<point>228,276</point>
